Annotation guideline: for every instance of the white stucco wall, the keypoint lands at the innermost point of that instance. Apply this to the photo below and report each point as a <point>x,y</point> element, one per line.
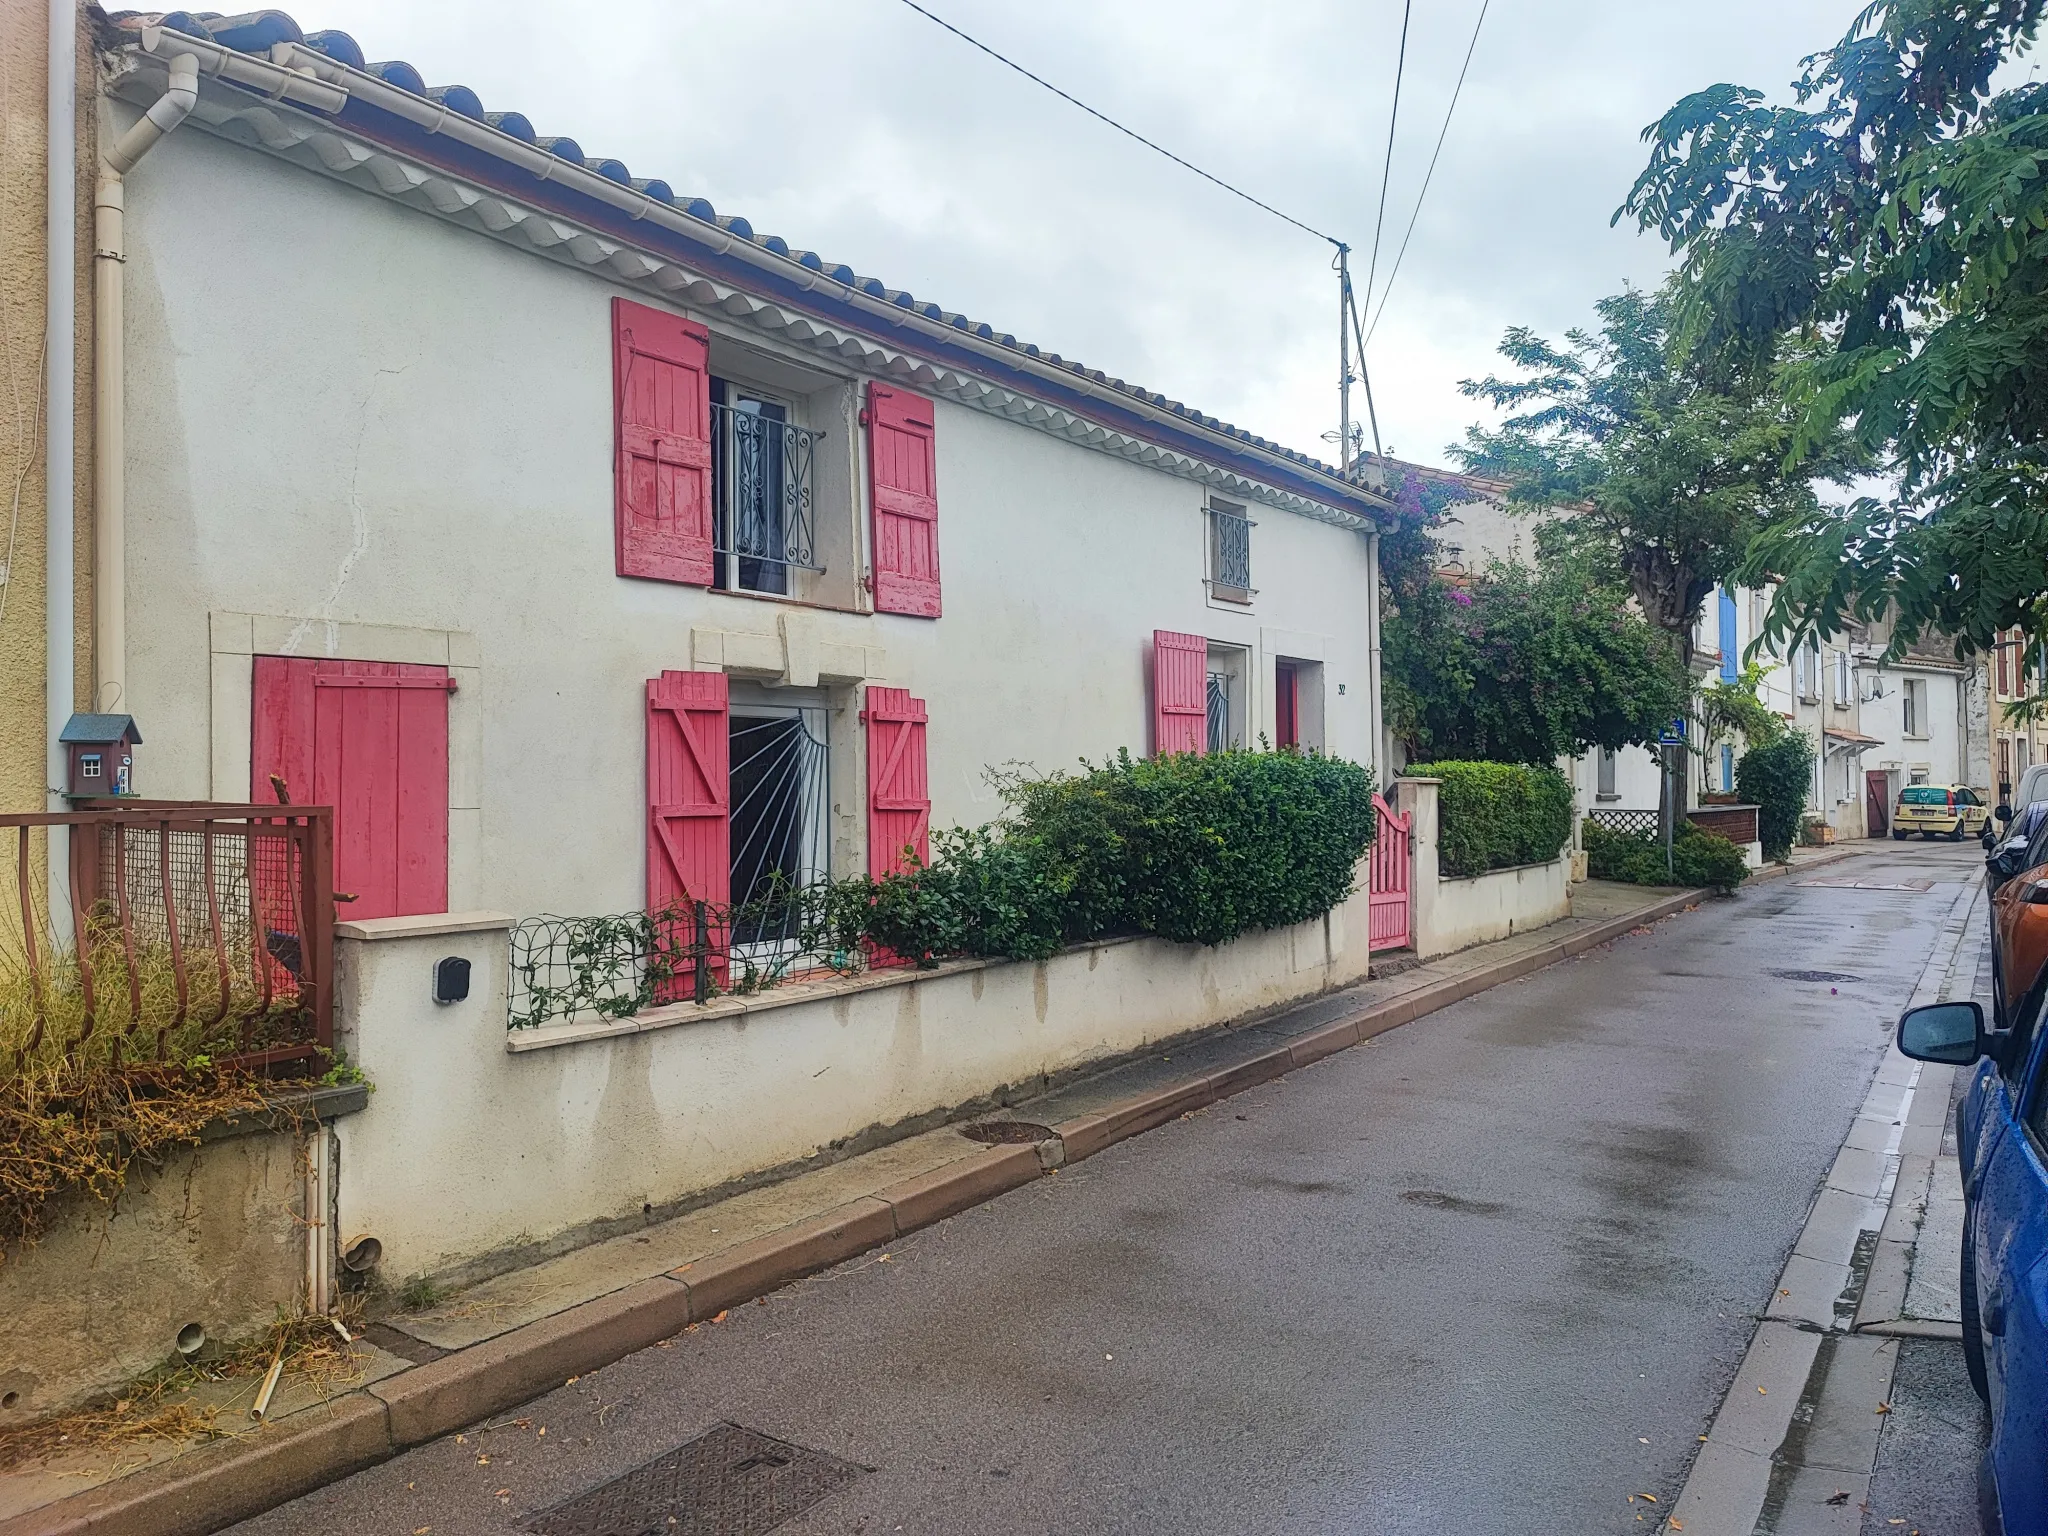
<point>469,1148</point>
<point>344,413</point>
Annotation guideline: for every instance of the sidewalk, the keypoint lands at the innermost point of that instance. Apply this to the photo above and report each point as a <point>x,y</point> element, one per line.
<point>420,1375</point>
<point>1792,1449</point>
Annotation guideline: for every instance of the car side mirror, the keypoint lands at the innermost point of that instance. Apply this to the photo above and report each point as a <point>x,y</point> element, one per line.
<point>2003,813</point>
<point>1950,1034</point>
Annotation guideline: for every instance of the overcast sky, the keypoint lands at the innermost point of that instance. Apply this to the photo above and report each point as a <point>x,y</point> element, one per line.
<point>859,129</point>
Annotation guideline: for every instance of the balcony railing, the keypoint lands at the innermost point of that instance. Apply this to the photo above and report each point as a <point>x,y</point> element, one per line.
<point>762,471</point>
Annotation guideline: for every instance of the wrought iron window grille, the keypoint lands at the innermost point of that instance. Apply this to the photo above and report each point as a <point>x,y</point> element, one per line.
<point>762,473</point>
<point>1230,555</point>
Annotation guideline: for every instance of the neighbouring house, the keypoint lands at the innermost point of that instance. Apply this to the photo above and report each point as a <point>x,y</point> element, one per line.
<point>2011,671</point>
<point>587,549</point>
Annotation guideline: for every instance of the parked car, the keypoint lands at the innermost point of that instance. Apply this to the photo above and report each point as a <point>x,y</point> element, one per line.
<point>2016,880</point>
<point>2002,1139</point>
<point>2032,789</point>
<point>1953,811</point>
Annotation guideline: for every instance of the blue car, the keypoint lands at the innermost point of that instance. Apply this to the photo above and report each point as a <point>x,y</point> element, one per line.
<point>2002,1139</point>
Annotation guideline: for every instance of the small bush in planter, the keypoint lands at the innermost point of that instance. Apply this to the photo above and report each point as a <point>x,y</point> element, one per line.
<point>1775,777</point>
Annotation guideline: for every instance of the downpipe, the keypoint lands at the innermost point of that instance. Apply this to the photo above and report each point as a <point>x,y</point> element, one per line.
<point>110,477</point>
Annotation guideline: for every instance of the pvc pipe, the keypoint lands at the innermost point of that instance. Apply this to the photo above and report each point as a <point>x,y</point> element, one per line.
<point>110,412</point>
<point>59,518</point>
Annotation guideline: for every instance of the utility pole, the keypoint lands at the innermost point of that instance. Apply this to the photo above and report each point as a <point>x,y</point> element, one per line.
<point>1344,358</point>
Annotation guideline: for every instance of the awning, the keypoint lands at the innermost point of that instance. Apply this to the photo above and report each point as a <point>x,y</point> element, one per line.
<point>1854,743</point>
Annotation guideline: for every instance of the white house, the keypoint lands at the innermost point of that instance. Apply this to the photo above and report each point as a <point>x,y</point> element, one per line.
<point>467,473</point>
<point>586,549</point>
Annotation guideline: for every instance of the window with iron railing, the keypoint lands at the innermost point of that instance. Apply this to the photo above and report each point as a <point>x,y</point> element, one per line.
<point>761,482</point>
<point>1230,553</point>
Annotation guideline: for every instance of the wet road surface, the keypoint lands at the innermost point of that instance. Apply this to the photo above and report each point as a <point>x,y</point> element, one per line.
<point>1491,1273</point>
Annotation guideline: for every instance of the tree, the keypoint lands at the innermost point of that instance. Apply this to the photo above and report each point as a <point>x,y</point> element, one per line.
<point>1656,459</point>
<point>1891,223</point>
<point>1526,667</point>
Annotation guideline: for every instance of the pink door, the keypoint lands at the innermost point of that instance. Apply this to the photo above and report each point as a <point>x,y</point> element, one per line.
<point>369,738</point>
<point>1391,864</point>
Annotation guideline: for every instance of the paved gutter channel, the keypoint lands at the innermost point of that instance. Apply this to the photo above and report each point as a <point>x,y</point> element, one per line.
<point>220,1484</point>
<point>1791,1449</point>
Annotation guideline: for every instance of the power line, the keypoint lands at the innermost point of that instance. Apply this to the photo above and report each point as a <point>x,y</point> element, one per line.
<point>1120,128</point>
<point>1427,175</point>
<point>1387,170</point>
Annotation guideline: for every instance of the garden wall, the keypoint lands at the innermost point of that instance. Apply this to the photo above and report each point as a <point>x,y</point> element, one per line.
<point>214,1234</point>
<point>483,1146</point>
<point>1456,913</point>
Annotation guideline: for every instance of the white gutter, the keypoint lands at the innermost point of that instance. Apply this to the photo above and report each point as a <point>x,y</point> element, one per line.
<point>59,513</point>
<point>109,373</point>
<point>297,73</point>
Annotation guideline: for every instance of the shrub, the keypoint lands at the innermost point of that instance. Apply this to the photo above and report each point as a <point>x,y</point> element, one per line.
<point>1495,815</point>
<point>1698,857</point>
<point>1775,777</point>
<point>1198,849</point>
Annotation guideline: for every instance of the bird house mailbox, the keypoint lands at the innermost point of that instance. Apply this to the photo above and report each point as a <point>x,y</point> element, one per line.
<point>99,755</point>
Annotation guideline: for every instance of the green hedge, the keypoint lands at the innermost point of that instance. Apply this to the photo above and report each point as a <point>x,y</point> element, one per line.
<point>1495,815</point>
<point>1195,849</point>
<point>1698,858</point>
<point>1776,777</point>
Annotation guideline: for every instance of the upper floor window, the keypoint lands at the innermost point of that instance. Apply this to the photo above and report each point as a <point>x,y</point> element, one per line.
<point>1841,675</point>
<point>761,479</point>
<point>1913,700</point>
<point>1230,553</point>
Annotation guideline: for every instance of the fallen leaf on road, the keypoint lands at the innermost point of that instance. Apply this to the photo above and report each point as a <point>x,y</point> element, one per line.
<point>1895,1522</point>
<point>483,1461</point>
<point>421,1530</point>
<point>462,1439</point>
<point>572,1381</point>
<point>541,1431</point>
<point>503,1493</point>
<point>1763,1391</point>
<point>1884,1407</point>
<point>719,1318</point>
<point>1651,1497</point>
<point>882,1260</point>
<point>1678,1525</point>
<point>1839,1496</point>
<point>1642,1440</point>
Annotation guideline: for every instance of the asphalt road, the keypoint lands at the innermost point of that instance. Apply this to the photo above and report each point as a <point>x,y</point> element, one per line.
<point>1491,1273</point>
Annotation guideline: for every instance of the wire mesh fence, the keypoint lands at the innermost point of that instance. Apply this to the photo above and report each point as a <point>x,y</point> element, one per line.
<point>574,969</point>
<point>190,932</point>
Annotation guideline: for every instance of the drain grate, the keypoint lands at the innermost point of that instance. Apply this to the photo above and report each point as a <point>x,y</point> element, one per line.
<point>1003,1133</point>
<point>1813,976</point>
<point>727,1482</point>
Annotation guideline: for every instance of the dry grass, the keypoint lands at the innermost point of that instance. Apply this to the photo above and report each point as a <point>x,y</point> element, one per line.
<point>186,1401</point>
<point>116,1059</point>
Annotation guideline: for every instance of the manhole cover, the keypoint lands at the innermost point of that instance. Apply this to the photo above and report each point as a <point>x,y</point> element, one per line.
<point>727,1482</point>
<point>1003,1133</point>
<point>1813,976</point>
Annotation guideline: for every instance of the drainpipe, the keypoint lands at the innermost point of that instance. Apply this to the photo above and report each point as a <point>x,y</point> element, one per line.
<point>59,522</point>
<point>110,480</point>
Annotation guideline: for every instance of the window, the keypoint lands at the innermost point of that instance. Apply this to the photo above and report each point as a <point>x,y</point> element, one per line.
<point>761,491</point>
<point>1219,712</point>
<point>369,738</point>
<point>1913,701</point>
<point>1226,695</point>
<point>1841,680</point>
<point>2004,766</point>
<point>1727,769</point>
<point>1730,639</point>
<point>777,801</point>
<point>1230,553</point>
<point>1806,671</point>
<point>1604,784</point>
<point>2002,649</point>
<point>88,765</point>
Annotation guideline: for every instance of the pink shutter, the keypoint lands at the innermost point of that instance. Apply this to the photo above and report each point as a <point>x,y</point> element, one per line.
<point>369,738</point>
<point>903,487</point>
<point>688,857</point>
<point>661,400</point>
<point>899,794</point>
<point>1180,692</point>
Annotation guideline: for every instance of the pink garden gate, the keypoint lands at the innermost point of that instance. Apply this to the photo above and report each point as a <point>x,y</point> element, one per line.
<point>1391,863</point>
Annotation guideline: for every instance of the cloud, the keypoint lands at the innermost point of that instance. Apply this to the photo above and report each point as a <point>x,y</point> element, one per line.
<point>861,130</point>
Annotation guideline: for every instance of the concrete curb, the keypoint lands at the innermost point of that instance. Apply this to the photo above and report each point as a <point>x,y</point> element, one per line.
<point>204,1491</point>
